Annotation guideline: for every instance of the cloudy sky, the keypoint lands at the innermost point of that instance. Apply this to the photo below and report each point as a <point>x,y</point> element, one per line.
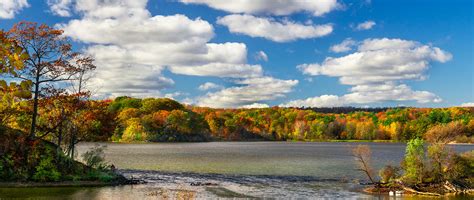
<point>259,53</point>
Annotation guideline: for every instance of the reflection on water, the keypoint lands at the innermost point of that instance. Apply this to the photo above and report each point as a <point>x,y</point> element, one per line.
<point>230,170</point>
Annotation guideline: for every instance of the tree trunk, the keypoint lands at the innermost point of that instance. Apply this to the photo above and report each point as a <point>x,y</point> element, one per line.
<point>35,108</point>
<point>60,134</point>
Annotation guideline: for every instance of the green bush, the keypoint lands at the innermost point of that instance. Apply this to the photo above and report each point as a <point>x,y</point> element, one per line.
<point>46,170</point>
<point>6,167</point>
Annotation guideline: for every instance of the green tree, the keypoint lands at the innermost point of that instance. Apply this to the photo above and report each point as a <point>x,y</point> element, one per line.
<point>414,160</point>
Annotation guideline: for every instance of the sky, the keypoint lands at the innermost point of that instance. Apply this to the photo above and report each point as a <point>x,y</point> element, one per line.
<point>261,53</point>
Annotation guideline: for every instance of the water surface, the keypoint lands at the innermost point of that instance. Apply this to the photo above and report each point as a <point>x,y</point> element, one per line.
<point>233,170</point>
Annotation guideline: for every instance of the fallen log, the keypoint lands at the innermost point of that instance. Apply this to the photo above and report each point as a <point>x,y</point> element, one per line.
<point>419,192</point>
<point>452,188</point>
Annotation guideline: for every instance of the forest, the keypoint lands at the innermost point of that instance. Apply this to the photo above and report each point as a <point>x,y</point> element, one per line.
<point>166,120</point>
<point>46,109</point>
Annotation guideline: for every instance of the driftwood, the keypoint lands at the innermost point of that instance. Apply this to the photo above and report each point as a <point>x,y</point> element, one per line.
<point>419,192</point>
<point>409,189</point>
<point>450,187</point>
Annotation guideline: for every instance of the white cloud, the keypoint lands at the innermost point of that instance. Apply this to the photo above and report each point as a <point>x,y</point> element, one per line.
<point>255,105</point>
<point>219,70</point>
<point>8,8</point>
<point>369,94</point>
<point>321,101</point>
<point>248,91</point>
<point>365,25</point>
<point>60,7</point>
<point>468,104</point>
<point>272,7</point>
<point>132,47</point>
<point>261,55</point>
<point>376,72</point>
<point>270,29</point>
<point>174,95</point>
<point>209,86</point>
<point>380,60</point>
<point>344,46</point>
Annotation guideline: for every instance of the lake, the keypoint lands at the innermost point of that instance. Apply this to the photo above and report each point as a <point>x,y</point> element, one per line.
<point>279,170</point>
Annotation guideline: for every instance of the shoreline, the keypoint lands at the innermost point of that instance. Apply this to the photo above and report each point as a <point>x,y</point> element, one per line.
<point>119,180</point>
<point>30,184</point>
<point>412,192</point>
<point>270,141</point>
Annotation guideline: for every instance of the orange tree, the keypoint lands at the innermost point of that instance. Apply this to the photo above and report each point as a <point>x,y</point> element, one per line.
<point>48,60</point>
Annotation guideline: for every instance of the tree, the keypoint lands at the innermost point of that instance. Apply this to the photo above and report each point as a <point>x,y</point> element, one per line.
<point>362,154</point>
<point>441,160</point>
<point>414,160</point>
<point>12,55</point>
<point>12,58</point>
<point>445,133</point>
<point>48,62</point>
<point>152,105</point>
<point>84,65</point>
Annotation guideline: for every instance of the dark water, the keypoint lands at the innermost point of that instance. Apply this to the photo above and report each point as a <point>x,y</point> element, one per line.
<point>278,170</point>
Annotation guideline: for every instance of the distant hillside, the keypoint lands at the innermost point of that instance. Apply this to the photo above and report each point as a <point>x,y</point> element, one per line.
<point>168,120</point>
<point>128,119</point>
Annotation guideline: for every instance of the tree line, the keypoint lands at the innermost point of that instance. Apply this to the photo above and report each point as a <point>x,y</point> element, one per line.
<point>159,119</point>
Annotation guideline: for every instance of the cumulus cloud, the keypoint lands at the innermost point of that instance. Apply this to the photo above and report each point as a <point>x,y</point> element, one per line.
<point>60,7</point>
<point>255,105</point>
<point>376,72</point>
<point>132,47</point>
<point>222,70</point>
<point>344,46</point>
<point>209,86</point>
<point>321,101</point>
<point>380,60</point>
<point>268,28</point>
<point>468,104</point>
<point>174,95</point>
<point>9,8</point>
<point>365,25</point>
<point>261,55</point>
<point>271,7</point>
<point>247,92</point>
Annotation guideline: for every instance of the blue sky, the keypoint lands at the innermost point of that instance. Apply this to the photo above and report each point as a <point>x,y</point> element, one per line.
<point>412,53</point>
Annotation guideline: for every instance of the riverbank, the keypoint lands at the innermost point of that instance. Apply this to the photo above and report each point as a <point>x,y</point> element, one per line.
<point>60,184</point>
<point>432,190</point>
<point>276,141</point>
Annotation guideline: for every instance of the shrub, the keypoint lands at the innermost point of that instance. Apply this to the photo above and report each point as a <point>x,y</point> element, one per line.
<point>362,154</point>
<point>46,169</point>
<point>389,173</point>
<point>441,159</point>
<point>6,167</point>
<point>463,168</point>
<point>95,158</point>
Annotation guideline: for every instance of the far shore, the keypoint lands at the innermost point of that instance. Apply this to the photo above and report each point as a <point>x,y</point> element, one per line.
<point>289,141</point>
